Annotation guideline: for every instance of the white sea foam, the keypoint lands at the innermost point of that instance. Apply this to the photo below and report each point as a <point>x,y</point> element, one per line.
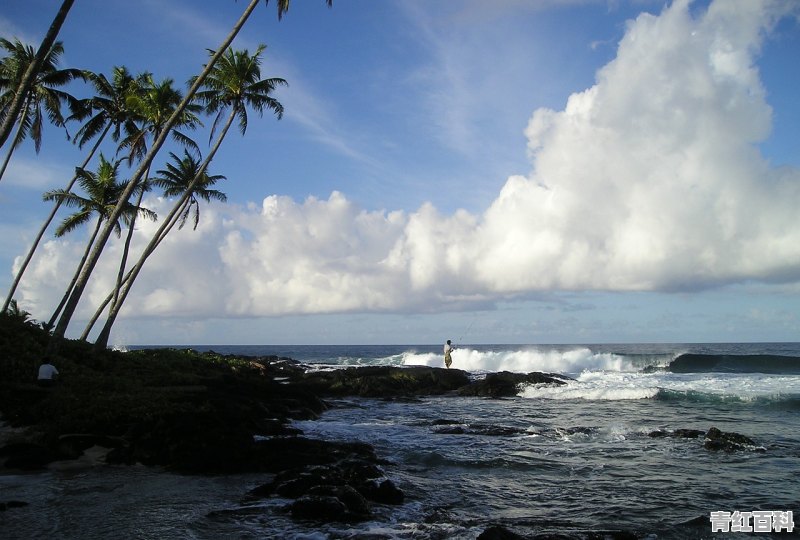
<point>526,360</point>
<point>607,385</point>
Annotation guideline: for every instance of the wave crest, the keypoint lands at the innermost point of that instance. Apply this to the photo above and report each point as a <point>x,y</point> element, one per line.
<point>526,360</point>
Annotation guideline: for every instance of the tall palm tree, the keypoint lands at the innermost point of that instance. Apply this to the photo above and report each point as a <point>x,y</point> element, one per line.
<point>108,108</point>
<point>103,190</point>
<point>153,103</point>
<point>27,78</point>
<point>233,85</point>
<point>107,112</point>
<point>175,181</point>
<point>80,285</point>
<point>42,96</point>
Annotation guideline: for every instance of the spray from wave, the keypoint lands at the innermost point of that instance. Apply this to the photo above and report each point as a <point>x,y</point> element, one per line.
<point>526,360</point>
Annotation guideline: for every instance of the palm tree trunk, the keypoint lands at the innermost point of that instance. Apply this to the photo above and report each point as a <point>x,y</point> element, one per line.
<point>33,69</point>
<point>77,273</point>
<point>47,223</point>
<point>126,249</point>
<point>110,296</point>
<point>77,291</point>
<point>16,139</point>
<point>102,339</point>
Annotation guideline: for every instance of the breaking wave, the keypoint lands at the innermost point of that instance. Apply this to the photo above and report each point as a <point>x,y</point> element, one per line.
<point>570,361</point>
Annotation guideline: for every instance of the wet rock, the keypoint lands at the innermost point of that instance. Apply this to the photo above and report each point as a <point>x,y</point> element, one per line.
<point>384,493</point>
<point>487,430</point>
<point>445,422</point>
<point>496,532</point>
<point>687,433</point>
<point>678,433</point>
<point>507,384</point>
<point>451,430</point>
<point>11,504</point>
<point>357,506</point>
<point>318,508</point>
<point>350,480</point>
<point>281,454</point>
<point>331,504</point>
<point>384,381</point>
<point>729,441</point>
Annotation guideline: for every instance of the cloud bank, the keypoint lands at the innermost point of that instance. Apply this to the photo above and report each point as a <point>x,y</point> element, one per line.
<point>649,180</point>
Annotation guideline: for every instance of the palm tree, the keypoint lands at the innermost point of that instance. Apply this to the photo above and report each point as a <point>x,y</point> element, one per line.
<point>103,190</point>
<point>153,103</point>
<point>235,84</point>
<point>80,285</point>
<point>15,312</point>
<point>232,86</point>
<point>42,96</point>
<point>27,78</point>
<point>175,181</point>
<point>107,110</point>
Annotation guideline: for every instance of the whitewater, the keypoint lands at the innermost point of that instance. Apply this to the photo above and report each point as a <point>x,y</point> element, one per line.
<point>573,460</point>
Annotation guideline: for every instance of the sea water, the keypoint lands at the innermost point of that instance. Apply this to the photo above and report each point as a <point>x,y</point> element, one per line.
<point>574,459</point>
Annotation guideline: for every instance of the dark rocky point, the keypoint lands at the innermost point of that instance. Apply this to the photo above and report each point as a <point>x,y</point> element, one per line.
<point>507,384</point>
<point>729,441</point>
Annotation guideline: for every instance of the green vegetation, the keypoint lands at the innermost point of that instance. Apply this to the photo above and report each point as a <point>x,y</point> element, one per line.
<point>114,393</point>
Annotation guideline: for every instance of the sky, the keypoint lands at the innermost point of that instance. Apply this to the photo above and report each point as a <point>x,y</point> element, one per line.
<point>535,172</point>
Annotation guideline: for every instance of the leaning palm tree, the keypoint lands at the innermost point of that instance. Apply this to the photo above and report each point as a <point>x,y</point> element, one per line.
<point>153,103</point>
<point>43,96</point>
<point>80,285</point>
<point>232,86</point>
<point>108,108</point>
<point>174,181</point>
<point>107,112</point>
<point>103,190</point>
<point>27,79</point>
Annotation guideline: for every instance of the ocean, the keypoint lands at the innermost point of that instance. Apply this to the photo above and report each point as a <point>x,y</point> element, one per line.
<point>553,460</point>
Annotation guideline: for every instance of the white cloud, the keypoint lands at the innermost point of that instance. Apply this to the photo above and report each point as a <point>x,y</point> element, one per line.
<point>9,31</point>
<point>648,180</point>
<point>36,175</point>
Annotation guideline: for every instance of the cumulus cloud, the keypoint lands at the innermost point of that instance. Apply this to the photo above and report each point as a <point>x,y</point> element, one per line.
<point>649,180</point>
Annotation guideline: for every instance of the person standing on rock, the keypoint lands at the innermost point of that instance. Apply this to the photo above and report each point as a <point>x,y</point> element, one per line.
<point>447,358</point>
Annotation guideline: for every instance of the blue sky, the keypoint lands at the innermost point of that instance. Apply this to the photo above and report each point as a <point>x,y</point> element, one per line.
<point>570,171</point>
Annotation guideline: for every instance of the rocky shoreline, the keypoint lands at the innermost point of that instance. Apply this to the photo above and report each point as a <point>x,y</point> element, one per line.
<point>210,414</point>
<point>205,413</point>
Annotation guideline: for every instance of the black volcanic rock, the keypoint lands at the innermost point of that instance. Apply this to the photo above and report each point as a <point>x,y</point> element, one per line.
<point>729,441</point>
<point>507,384</point>
<point>383,381</point>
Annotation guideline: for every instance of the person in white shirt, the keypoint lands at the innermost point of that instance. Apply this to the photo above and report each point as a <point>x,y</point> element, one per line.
<point>47,374</point>
<point>447,350</point>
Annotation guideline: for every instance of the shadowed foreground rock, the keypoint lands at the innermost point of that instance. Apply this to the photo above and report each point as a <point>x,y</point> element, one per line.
<point>343,489</point>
